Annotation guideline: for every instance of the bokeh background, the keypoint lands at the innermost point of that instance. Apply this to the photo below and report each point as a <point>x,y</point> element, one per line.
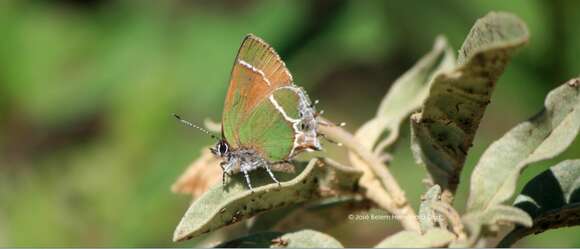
<point>88,147</point>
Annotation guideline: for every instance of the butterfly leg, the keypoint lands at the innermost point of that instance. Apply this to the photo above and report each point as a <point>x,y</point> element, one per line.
<point>248,180</point>
<point>223,166</point>
<point>226,171</point>
<point>267,166</point>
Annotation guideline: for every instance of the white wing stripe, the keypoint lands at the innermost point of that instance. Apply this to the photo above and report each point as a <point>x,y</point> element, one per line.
<point>249,66</point>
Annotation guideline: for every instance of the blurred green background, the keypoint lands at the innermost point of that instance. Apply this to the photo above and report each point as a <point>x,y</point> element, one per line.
<point>88,147</point>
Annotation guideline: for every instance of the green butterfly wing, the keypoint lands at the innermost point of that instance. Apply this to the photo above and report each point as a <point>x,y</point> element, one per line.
<point>250,118</point>
<point>269,129</point>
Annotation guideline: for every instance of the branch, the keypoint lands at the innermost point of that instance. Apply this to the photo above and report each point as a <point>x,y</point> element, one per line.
<point>452,216</point>
<point>381,187</point>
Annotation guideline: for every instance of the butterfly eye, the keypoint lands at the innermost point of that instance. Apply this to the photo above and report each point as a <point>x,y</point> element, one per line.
<point>223,148</point>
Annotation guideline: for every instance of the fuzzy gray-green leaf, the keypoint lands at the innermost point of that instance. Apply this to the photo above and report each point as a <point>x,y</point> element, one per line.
<point>542,137</point>
<point>319,215</point>
<point>426,213</point>
<point>478,223</point>
<point>552,199</point>
<point>444,129</point>
<point>300,239</point>
<point>405,96</point>
<point>255,240</point>
<point>435,237</point>
<point>221,206</point>
<point>308,239</point>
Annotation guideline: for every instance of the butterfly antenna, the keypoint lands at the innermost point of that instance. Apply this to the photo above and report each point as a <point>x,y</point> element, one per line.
<point>185,122</point>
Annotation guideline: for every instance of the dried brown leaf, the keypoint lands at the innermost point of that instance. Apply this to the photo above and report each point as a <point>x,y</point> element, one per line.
<point>199,176</point>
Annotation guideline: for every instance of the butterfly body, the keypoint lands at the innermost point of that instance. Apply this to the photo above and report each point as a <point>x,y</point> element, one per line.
<point>267,119</point>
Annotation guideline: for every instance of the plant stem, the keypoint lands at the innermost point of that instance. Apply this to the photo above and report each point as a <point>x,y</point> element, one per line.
<point>452,217</point>
<point>381,187</point>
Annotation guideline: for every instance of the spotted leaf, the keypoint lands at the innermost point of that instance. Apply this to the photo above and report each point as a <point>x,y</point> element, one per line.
<point>221,206</point>
<point>443,131</point>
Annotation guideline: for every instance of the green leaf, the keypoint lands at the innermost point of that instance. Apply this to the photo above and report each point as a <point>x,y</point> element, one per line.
<point>443,131</point>
<point>221,206</point>
<point>485,224</point>
<point>299,239</point>
<point>542,137</point>
<point>405,96</point>
<point>552,199</point>
<point>435,237</point>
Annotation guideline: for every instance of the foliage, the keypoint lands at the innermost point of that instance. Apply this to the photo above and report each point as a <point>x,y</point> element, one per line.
<point>451,97</point>
<point>219,207</point>
<point>435,237</point>
<point>552,200</point>
<point>299,239</point>
<point>445,128</point>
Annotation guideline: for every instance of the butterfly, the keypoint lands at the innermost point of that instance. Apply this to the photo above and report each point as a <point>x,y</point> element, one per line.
<point>267,119</point>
